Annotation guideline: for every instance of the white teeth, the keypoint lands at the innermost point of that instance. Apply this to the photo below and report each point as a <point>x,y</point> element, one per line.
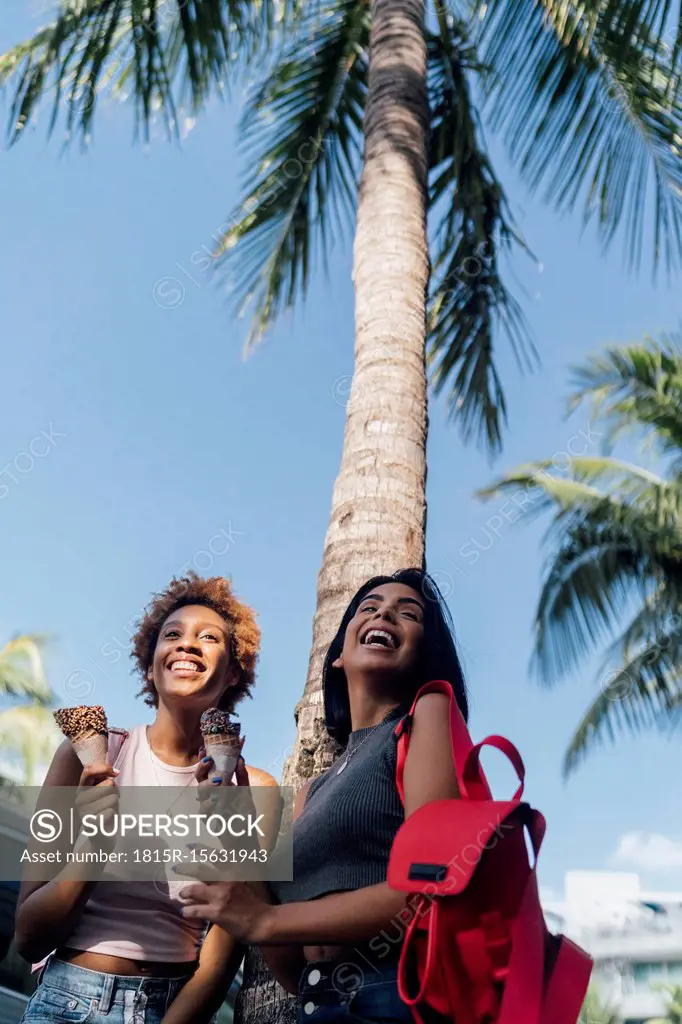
<point>189,665</point>
<point>373,638</point>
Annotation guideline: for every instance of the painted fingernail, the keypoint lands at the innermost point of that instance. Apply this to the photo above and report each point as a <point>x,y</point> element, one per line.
<point>206,760</point>
<point>216,780</point>
<point>190,846</point>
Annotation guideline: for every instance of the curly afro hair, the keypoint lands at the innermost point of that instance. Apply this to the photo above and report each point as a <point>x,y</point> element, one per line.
<point>215,593</point>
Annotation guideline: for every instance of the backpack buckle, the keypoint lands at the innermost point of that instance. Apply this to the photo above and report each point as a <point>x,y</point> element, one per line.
<point>428,872</point>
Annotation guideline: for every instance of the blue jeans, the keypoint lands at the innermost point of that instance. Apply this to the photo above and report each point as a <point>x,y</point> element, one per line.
<point>343,992</point>
<point>73,995</point>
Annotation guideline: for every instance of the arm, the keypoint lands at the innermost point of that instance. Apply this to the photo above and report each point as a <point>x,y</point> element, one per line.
<point>346,917</point>
<point>48,911</point>
<point>287,962</point>
<point>273,807</point>
<point>204,993</point>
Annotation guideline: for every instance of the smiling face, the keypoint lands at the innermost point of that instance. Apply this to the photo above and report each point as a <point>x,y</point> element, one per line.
<point>192,658</point>
<point>384,636</point>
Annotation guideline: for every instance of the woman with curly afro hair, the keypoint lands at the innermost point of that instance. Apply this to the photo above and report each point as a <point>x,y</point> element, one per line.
<point>121,951</point>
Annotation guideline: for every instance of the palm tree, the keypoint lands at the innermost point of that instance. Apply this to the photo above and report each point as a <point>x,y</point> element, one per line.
<point>21,669</point>
<point>28,733</point>
<point>674,1008</point>
<point>594,1011</point>
<point>588,100</point>
<point>617,546</point>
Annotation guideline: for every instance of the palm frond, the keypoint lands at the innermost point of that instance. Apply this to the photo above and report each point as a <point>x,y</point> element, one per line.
<point>635,388</point>
<point>595,1011</point>
<point>21,669</point>
<point>609,546</point>
<point>632,698</point>
<point>302,133</point>
<point>616,543</point>
<point>673,996</point>
<point>537,487</point>
<point>656,618</point>
<point>470,305</point>
<point>29,732</point>
<point>591,108</point>
<point>170,54</point>
<point>588,587</point>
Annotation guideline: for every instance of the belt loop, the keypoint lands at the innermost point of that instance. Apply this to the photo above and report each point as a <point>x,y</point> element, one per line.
<point>139,998</point>
<point>48,961</point>
<point>107,992</point>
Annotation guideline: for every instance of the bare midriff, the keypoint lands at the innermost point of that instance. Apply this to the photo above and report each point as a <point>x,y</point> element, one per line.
<point>322,952</point>
<point>105,964</point>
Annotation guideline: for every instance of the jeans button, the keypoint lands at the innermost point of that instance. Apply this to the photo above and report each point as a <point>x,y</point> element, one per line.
<point>309,1008</point>
<point>72,1004</point>
<point>314,977</point>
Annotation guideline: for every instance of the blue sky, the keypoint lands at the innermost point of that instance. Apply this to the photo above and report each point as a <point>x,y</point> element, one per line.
<point>169,451</point>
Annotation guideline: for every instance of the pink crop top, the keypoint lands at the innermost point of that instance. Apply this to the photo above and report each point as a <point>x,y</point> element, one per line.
<point>139,920</point>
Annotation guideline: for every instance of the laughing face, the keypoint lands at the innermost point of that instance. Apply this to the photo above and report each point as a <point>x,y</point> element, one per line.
<point>192,659</point>
<point>385,634</point>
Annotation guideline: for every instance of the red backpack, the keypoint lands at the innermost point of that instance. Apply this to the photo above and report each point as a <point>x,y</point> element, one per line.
<point>477,950</point>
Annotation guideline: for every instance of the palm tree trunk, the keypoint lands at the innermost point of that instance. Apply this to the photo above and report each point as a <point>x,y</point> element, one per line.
<point>379,506</point>
<point>378,513</point>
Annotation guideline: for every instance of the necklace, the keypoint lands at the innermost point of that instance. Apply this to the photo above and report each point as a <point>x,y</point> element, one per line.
<point>355,749</point>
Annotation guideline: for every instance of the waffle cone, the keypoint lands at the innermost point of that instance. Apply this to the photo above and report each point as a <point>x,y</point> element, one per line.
<point>225,751</point>
<point>91,747</point>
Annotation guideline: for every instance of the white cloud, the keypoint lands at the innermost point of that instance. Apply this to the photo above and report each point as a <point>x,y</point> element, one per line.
<point>648,851</point>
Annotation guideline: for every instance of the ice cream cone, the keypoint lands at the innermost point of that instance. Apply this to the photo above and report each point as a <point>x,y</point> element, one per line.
<point>222,741</point>
<point>91,748</point>
<point>87,729</point>
<point>225,754</point>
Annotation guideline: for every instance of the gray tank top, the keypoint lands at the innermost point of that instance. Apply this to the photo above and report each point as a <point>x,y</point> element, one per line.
<point>343,837</point>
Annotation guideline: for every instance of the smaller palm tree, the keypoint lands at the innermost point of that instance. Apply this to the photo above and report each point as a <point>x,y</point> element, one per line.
<point>674,1008</point>
<point>594,1011</point>
<point>615,571</point>
<point>28,733</point>
<point>21,669</point>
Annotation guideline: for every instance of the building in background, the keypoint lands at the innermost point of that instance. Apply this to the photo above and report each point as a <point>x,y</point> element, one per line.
<point>634,936</point>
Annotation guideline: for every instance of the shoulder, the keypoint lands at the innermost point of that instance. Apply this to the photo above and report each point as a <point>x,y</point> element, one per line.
<point>259,777</point>
<point>429,767</point>
<point>432,707</point>
<point>301,797</point>
<point>302,793</point>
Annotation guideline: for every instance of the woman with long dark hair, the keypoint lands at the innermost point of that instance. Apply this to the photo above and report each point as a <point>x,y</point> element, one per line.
<point>334,935</point>
<point>120,952</point>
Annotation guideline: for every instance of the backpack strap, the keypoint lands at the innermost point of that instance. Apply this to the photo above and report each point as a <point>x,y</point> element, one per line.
<point>117,741</point>
<point>459,734</point>
<point>567,984</point>
<point>472,781</point>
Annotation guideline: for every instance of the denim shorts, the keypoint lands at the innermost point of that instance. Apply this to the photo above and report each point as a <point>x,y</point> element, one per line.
<point>335,991</point>
<point>74,995</point>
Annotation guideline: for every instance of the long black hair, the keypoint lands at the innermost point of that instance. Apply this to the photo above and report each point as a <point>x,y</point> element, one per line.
<point>438,658</point>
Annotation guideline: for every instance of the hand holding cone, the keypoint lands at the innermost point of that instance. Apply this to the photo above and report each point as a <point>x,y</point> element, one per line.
<point>222,741</point>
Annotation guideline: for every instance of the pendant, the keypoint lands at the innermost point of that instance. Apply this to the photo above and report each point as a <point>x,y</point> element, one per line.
<point>342,766</point>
